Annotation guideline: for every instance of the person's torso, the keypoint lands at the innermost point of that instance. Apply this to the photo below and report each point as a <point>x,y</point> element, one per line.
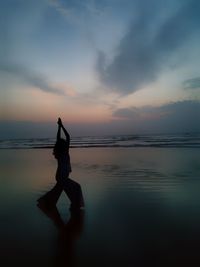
<point>64,167</point>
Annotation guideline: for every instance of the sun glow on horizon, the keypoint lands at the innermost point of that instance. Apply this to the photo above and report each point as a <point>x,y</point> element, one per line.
<point>100,63</point>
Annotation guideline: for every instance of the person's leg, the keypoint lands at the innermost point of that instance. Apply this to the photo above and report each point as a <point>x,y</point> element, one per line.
<point>52,196</point>
<point>74,193</point>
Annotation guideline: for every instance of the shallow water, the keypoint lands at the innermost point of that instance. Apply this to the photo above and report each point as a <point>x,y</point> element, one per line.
<point>142,208</point>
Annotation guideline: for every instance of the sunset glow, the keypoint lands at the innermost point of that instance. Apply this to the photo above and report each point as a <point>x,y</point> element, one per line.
<point>86,61</point>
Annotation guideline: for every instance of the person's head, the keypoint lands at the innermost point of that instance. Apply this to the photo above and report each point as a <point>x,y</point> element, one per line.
<point>60,148</point>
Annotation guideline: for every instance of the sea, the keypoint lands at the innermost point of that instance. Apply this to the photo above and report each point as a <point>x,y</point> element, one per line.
<point>185,140</point>
<point>142,202</point>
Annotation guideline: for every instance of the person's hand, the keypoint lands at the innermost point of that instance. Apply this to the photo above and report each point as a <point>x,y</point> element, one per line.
<point>59,122</point>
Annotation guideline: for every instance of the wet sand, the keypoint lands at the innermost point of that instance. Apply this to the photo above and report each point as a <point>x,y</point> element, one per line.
<point>142,208</point>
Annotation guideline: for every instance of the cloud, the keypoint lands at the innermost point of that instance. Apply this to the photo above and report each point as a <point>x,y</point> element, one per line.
<point>76,11</point>
<point>182,116</point>
<point>151,42</point>
<point>127,113</point>
<point>60,8</point>
<point>30,77</point>
<point>19,20</point>
<point>193,83</point>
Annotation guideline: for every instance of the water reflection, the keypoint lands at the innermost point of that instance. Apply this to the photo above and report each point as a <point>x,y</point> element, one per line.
<point>68,234</point>
<point>143,209</point>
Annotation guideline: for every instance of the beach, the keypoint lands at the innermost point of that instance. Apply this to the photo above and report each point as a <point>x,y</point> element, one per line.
<point>142,208</point>
<point>113,89</point>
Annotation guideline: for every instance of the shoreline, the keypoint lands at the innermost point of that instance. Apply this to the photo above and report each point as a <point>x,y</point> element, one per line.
<point>106,147</point>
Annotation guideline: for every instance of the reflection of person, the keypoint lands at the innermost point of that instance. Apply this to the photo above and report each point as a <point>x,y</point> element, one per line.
<point>71,188</point>
<point>68,233</point>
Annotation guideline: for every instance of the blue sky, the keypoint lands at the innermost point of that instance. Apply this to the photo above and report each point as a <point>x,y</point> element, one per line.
<point>93,62</point>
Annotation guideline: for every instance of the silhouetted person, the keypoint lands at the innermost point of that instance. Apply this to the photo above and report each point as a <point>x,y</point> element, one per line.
<point>71,188</point>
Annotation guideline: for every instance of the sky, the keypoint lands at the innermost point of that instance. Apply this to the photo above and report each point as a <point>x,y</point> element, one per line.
<point>104,67</point>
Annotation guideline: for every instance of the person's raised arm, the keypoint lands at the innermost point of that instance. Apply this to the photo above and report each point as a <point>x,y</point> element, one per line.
<point>59,129</point>
<point>67,136</point>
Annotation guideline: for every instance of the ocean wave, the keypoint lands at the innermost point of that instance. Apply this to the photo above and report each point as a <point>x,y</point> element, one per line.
<point>126,141</point>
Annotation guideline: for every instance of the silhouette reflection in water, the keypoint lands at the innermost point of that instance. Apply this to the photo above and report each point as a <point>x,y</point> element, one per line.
<point>68,234</point>
<point>71,188</point>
